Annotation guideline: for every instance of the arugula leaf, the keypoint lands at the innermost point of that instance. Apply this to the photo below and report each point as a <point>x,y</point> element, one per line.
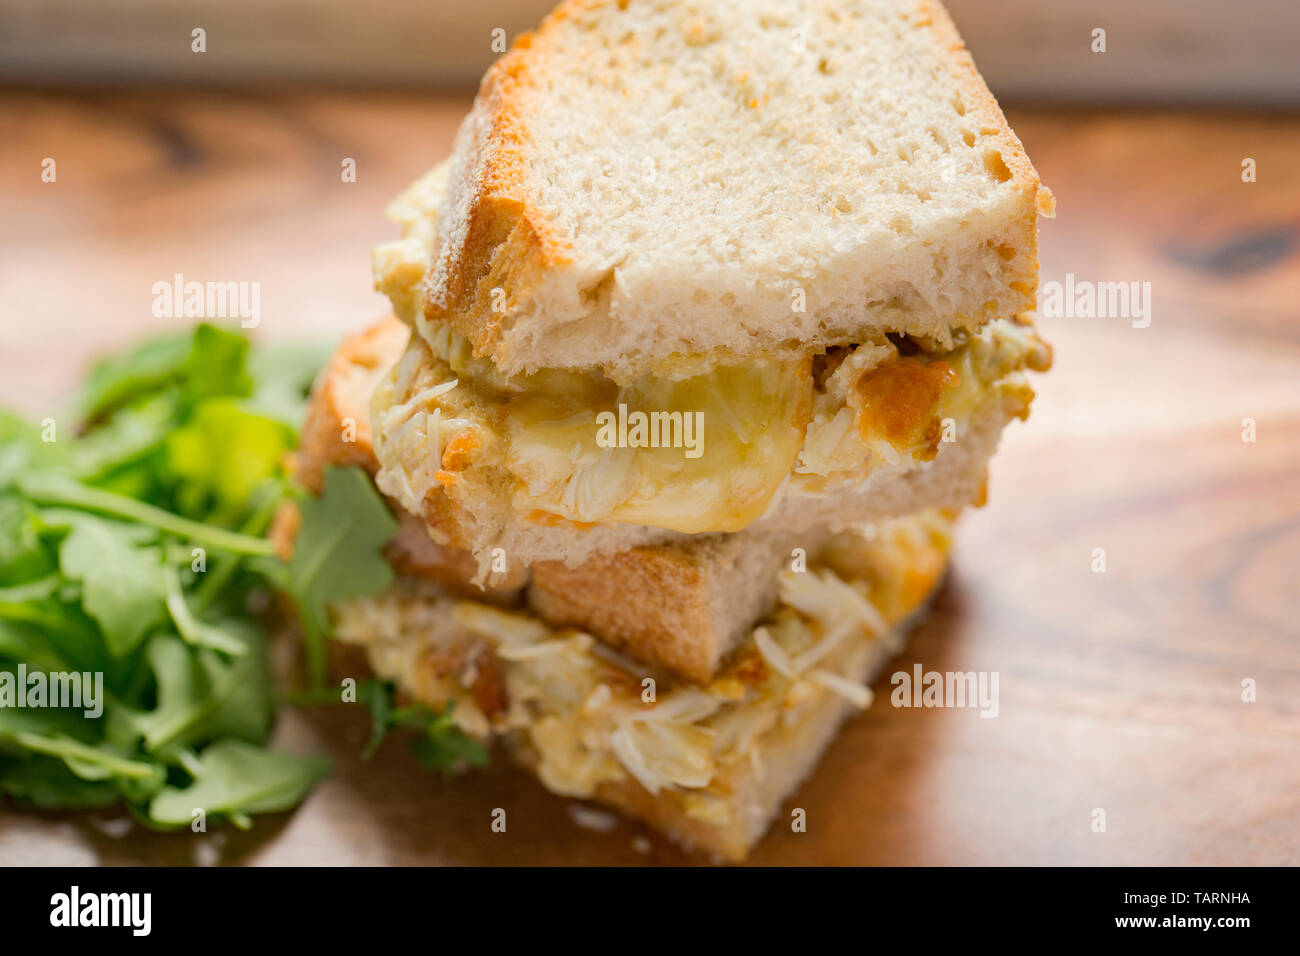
<point>439,744</point>
<point>40,721</point>
<point>235,779</point>
<point>23,555</point>
<point>47,783</point>
<point>20,644</point>
<point>378,696</point>
<point>282,380</point>
<point>225,453</point>
<point>54,489</point>
<point>122,583</point>
<point>22,450</point>
<point>216,365</point>
<point>131,433</point>
<point>205,361</point>
<point>87,761</point>
<point>44,631</point>
<point>202,696</point>
<point>190,628</point>
<point>115,379</point>
<point>337,554</point>
<point>180,449</point>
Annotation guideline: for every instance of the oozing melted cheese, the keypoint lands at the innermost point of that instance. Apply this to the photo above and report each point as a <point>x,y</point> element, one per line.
<point>732,436</point>
<point>761,422</point>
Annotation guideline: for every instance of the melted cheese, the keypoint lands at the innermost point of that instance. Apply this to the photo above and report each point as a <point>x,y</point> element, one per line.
<point>745,424</point>
<point>545,437</point>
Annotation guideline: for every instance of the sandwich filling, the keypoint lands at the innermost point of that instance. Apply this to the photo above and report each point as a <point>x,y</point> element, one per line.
<point>697,452</point>
<point>587,718</point>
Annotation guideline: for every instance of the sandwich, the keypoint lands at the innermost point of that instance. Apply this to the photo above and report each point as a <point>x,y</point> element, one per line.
<point>682,684</point>
<point>700,340</point>
<point>694,268</point>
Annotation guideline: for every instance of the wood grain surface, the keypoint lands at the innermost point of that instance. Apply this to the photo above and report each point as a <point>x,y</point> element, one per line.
<point>1119,690</point>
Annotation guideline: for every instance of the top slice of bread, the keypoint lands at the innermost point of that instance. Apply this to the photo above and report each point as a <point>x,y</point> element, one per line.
<point>645,179</point>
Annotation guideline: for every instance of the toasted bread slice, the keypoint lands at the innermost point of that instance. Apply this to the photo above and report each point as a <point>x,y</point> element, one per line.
<point>707,764</point>
<point>684,606</point>
<point>639,182</point>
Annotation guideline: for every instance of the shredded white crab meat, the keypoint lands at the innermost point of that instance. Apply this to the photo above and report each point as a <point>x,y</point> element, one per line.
<point>859,695</point>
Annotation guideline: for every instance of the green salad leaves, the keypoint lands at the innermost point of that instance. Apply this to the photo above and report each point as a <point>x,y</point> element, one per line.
<point>135,578</point>
<point>133,552</point>
<point>334,556</point>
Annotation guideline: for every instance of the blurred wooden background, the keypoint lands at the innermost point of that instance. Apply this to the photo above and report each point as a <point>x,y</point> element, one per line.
<point>1157,51</point>
<point>1119,690</point>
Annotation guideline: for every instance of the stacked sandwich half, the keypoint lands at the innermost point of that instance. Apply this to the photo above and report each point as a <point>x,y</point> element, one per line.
<point>704,333</point>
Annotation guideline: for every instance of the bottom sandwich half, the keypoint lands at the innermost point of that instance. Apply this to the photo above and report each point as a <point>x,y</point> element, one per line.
<point>708,764</point>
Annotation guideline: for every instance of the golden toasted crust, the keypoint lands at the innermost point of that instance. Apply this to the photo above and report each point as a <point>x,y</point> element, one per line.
<point>337,429</point>
<point>649,601</point>
<point>506,243</point>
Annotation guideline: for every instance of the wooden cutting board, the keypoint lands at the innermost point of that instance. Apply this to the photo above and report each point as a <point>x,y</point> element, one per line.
<point>1119,690</point>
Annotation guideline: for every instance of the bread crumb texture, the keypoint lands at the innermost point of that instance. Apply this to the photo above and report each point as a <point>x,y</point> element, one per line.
<point>650,179</point>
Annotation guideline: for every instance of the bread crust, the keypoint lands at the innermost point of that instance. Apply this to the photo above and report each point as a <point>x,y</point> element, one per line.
<point>338,409</point>
<point>504,242</point>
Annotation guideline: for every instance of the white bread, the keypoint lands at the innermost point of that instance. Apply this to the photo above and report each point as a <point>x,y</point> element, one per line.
<point>640,181</point>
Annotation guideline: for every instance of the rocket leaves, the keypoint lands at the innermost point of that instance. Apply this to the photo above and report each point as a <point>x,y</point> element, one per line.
<point>337,553</point>
<point>132,544</point>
